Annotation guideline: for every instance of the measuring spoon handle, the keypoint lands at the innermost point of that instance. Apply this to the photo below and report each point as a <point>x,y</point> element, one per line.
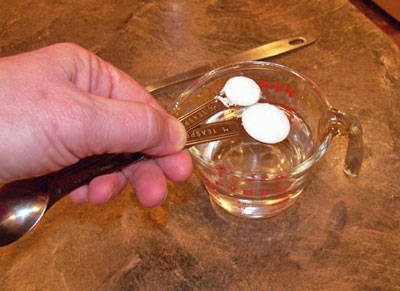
<point>68,179</point>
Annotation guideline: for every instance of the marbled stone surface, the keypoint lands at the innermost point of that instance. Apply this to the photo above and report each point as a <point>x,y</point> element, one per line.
<point>341,235</point>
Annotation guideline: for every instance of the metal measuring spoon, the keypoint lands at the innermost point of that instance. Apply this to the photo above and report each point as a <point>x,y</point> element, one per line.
<point>23,203</point>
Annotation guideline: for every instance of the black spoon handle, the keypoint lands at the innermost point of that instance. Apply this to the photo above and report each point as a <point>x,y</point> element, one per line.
<point>64,181</point>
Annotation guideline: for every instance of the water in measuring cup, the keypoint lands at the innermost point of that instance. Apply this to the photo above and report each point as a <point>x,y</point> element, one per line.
<point>249,176</point>
<point>246,155</point>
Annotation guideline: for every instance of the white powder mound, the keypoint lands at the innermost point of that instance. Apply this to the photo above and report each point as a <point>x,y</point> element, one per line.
<point>266,123</point>
<point>242,91</point>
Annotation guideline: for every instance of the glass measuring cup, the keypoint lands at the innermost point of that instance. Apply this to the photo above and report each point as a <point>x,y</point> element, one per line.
<point>256,180</point>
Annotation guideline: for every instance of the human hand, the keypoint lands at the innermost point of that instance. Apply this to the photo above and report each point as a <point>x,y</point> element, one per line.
<point>62,103</point>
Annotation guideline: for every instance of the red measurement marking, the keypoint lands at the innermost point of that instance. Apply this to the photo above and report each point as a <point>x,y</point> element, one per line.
<point>264,192</point>
<point>264,84</point>
<point>248,192</point>
<point>289,92</point>
<point>277,87</point>
<point>280,190</point>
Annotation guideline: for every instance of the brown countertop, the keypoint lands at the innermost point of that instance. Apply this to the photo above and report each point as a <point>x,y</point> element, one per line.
<point>341,235</point>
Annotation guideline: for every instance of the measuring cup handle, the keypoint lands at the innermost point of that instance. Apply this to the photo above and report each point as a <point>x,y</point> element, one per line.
<point>346,124</point>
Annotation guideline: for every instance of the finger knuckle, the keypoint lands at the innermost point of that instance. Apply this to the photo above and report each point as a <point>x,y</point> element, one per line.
<point>67,47</point>
<point>153,126</point>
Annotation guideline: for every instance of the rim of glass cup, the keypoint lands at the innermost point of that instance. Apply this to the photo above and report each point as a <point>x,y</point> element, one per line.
<point>319,151</point>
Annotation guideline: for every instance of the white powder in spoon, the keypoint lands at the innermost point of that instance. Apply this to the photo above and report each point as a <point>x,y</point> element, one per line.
<point>262,121</point>
<point>266,123</point>
<point>241,91</point>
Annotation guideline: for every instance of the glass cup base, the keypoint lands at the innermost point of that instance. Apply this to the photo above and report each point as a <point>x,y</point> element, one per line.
<point>251,208</point>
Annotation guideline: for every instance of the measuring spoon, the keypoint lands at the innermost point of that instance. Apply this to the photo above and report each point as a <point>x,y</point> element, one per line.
<point>23,203</point>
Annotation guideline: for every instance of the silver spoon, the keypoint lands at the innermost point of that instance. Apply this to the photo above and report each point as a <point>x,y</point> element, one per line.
<point>23,203</point>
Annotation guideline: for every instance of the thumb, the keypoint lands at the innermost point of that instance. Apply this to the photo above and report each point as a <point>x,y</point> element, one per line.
<point>129,126</point>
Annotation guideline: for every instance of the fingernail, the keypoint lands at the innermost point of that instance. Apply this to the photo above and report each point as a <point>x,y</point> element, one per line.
<point>177,133</point>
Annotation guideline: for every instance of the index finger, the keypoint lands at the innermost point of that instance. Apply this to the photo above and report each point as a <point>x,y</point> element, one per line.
<point>92,74</point>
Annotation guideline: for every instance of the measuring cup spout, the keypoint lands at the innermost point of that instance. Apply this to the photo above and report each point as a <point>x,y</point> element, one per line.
<point>346,124</point>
